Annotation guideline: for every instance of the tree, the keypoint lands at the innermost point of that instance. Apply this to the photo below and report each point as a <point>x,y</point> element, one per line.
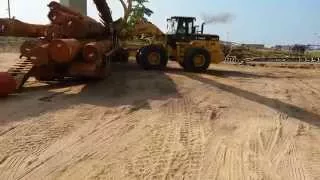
<point>138,13</point>
<point>134,11</point>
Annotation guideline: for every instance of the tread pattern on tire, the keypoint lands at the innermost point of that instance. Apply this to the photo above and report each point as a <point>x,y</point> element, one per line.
<point>142,59</point>
<point>188,60</point>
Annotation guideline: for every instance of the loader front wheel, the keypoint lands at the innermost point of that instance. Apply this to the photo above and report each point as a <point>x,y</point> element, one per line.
<point>196,60</point>
<point>152,57</point>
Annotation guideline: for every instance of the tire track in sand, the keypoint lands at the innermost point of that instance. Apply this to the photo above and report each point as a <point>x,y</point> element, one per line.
<point>175,147</point>
<point>296,169</point>
<point>273,154</point>
<point>266,148</point>
<point>32,139</point>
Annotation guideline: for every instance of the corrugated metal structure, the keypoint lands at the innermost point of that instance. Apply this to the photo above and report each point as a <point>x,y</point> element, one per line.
<point>78,5</point>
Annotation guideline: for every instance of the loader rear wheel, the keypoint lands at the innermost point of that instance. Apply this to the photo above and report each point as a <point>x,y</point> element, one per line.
<point>196,60</point>
<point>152,57</point>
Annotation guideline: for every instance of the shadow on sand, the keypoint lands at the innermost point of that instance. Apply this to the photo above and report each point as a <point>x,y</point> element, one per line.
<point>127,86</point>
<point>289,109</point>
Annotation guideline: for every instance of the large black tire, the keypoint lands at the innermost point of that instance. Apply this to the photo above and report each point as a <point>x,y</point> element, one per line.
<point>189,60</point>
<point>143,57</point>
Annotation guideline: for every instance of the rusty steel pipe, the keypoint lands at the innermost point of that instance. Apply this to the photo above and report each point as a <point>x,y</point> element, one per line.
<point>13,27</point>
<point>40,54</point>
<point>44,73</point>
<point>82,28</point>
<point>83,69</point>
<point>75,27</point>
<point>89,70</point>
<point>57,6</point>
<point>74,24</point>
<point>55,32</point>
<point>64,50</point>
<point>58,17</point>
<point>28,45</point>
<point>7,84</point>
<point>93,51</point>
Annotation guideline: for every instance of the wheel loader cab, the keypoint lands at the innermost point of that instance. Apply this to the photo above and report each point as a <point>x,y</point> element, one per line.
<point>182,26</point>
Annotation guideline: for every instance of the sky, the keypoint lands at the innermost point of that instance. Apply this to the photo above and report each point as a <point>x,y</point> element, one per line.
<point>267,22</point>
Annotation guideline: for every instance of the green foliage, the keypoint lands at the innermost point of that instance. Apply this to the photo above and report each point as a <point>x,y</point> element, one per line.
<point>139,12</point>
<point>313,53</point>
<point>243,52</point>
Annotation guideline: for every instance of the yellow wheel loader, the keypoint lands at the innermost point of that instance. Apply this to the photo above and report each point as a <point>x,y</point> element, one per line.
<point>184,42</point>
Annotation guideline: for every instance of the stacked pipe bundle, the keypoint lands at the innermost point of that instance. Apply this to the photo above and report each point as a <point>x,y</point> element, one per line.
<point>71,39</point>
<point>68,23</point>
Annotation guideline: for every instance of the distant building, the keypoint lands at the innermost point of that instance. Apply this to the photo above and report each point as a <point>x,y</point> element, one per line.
<point>255,46</point>
<point>283,47</point>
<point>299,48</point>
<point>78,5</point>
<point>296,48</point>
<point>313,47</point>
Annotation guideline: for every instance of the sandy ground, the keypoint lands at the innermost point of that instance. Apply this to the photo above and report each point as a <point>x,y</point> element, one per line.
<point>234,122</point>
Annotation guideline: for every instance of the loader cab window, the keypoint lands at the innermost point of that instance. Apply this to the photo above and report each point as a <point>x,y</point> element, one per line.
<point>172,26</point>
<point>185,27</point>
<point>190,27</point>
<point>180,26</point>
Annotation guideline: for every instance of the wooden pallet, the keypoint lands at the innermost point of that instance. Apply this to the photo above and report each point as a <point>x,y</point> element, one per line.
<point>21,72</point>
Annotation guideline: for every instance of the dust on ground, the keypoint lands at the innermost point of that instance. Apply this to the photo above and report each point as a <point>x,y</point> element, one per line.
<point>234,122</point>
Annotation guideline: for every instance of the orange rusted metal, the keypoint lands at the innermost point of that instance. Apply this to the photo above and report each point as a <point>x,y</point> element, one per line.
<point>74,24</point>
<point>82,28</point>
<point>26,48</point>
<point>36,51</point>
<point>59,7</point>
<point>55,32</point>
<point>83,69</point>
<point>58,17</point>
<point>40,54</point>
<point>93,51</point>
<point>72,45</point>
<point>45,73</point>
<point>28,45</point>
<point>7,84</point>
<point>13,27</point>
<point>64,50</point>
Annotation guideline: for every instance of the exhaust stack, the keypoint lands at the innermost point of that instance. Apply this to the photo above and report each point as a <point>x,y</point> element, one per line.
<point>202,27</point>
